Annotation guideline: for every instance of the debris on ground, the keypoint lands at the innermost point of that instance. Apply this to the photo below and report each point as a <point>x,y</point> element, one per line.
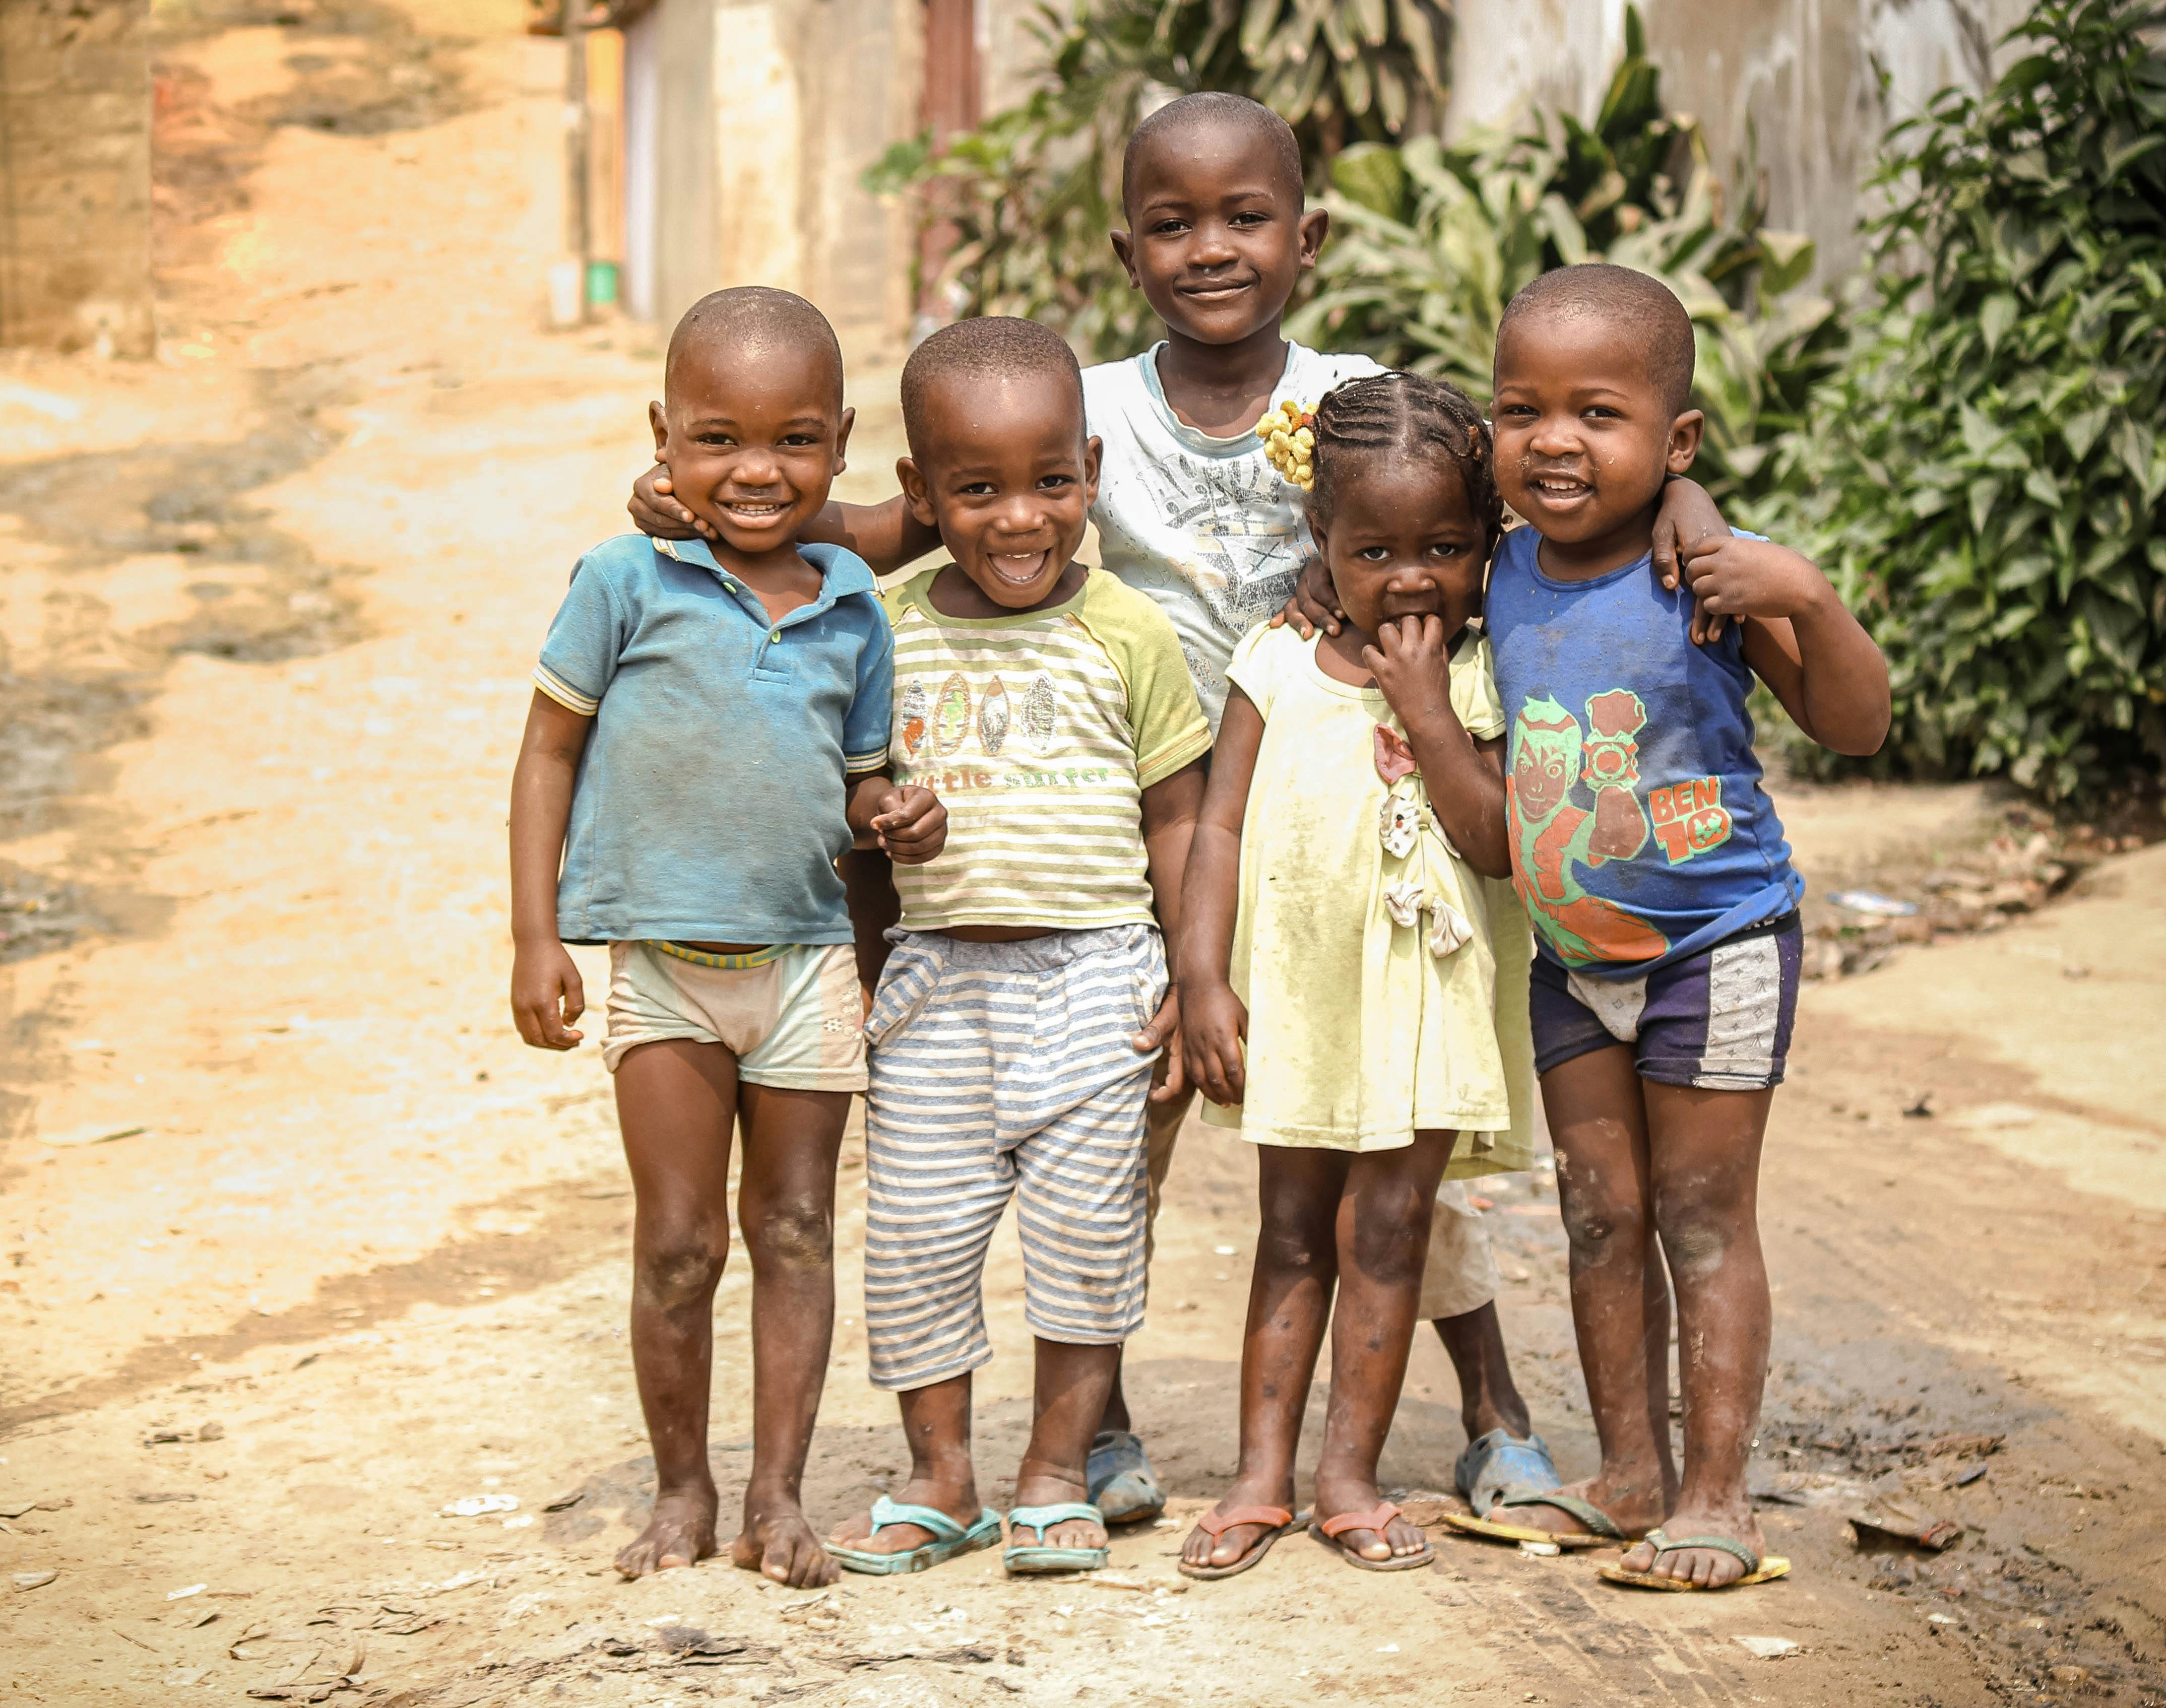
<point>1888,1519</point>
<point>34,1580</point>
<point>1767,1649</point>
<point>97,1134</point>
<point>1851,932</point>
<point>475,1506</point>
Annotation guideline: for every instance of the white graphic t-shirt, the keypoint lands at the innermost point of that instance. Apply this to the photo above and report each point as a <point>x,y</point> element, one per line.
<point>1204,526</point>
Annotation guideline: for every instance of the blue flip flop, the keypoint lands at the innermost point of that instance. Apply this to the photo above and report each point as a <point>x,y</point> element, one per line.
<point>1119,1477</point>
<point>1496,1464</point>
<point>950,1539</point>
<point>1038,1557</point>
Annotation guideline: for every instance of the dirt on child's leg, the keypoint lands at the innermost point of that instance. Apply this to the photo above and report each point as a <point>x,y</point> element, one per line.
<point>1290,1294</point>
<point>1619,1299</point>
<point>1705,1148</point>
<point>677,1104</point>
<point>1072,1384</point>
<point>936,1421</point>
<point>1382,1234</point>
<point>786,1210</point>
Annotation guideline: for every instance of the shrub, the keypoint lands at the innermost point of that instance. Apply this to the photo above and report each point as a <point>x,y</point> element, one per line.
<point>1430,242</point>
<point>1983,479</point>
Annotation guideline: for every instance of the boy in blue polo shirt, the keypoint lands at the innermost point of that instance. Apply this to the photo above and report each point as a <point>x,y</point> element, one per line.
<point>709,735</point>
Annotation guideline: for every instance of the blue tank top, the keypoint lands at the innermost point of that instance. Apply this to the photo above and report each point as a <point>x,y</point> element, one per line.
<point>1640,833</point>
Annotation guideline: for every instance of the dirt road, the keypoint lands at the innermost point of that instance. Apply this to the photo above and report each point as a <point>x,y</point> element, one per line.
<point>268,610</point>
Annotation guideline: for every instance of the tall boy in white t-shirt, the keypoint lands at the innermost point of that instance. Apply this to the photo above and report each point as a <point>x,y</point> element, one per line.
<point>1189,512</point>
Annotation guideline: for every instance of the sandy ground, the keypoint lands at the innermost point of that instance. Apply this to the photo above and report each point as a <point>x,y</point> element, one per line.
<point>268,609</point>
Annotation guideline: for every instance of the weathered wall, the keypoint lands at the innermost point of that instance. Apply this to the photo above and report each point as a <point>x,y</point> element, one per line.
<point>74,175</point>
<point>768,111</point>
<point>1799,79</point>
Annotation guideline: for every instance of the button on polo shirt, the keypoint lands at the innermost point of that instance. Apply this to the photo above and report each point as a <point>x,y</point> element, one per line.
<point>709,802</point>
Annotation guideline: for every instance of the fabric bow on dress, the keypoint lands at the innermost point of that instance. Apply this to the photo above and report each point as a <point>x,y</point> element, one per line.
<point>1428,878</point>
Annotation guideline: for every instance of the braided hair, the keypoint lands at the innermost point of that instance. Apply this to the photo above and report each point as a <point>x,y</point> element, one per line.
<point>1407,414</point>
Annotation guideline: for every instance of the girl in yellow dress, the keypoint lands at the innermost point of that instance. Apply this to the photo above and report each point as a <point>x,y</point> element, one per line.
<point>1353,964</point>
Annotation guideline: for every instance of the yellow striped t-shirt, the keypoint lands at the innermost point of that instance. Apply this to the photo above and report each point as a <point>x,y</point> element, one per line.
<point>1040,732</point>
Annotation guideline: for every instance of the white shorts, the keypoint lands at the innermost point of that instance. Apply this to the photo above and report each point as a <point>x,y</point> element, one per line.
<point>792,1016</point>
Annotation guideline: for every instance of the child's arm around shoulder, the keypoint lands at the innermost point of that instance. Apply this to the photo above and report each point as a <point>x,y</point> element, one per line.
<point>1799,639</point>
<point>886,535</point>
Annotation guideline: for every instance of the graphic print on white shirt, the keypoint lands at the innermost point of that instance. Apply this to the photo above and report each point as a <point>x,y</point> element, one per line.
<point>1205,526</point>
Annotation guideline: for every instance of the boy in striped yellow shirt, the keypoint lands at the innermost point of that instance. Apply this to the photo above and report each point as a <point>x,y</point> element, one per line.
<point>1050,707</point>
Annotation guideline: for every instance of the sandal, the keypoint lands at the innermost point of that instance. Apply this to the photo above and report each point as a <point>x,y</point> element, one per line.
<point>1216,1524</point>
<point>1601,1530</point>
<point>1331,1529</point>
<point>1038,1557</point>
<point>949,1539</point>
<point>1498,1463</point>
<point>1758,1568</point>
<point>1119,1478</point>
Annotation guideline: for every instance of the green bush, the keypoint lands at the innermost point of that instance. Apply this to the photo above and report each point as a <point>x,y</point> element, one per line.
<point>1983,478</point>
<point>1033,191</point>
<point>1431,241</point>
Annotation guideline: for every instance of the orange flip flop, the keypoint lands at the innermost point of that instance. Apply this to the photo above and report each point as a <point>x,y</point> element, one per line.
<point>1215,1525</point>
<point>1331,1529</point>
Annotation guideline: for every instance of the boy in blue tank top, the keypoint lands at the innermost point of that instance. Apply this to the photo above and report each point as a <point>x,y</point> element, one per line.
<point>1665,905</point>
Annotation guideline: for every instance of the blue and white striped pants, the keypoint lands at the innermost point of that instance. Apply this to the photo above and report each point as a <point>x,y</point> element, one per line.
<point>1005,1070</point>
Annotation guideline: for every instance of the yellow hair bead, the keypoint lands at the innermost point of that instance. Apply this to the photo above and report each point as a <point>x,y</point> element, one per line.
<point>1289,436</point>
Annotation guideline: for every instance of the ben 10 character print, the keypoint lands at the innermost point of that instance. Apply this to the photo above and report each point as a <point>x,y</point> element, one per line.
<point>1555,765</point>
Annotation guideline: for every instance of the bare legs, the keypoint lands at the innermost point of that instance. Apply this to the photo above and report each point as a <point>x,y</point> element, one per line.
<point>678,1102</point>
<point>1072,1384</point>
<point>1488,1398</point>
<point>1358,1226</point>
<point>1640,1163</point>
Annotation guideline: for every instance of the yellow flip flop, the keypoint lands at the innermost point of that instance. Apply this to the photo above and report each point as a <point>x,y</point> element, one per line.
<point>1759,1569</point>
<point>1601,1530</point>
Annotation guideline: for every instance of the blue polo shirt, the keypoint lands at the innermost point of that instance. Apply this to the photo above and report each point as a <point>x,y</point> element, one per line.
<point>709,802</point>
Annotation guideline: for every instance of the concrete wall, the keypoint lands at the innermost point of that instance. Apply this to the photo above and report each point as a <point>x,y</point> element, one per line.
<point>766,112</point>
<point>74,175</point>
<point>1800,78</point>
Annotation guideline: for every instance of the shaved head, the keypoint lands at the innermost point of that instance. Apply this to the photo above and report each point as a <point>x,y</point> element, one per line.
<point>754,319</point>
<point>1269,135</point>
<point>1642,311</point>
<point>983,351</point>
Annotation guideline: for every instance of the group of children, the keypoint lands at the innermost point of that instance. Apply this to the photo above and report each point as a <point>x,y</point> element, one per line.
<point>1325,796</point>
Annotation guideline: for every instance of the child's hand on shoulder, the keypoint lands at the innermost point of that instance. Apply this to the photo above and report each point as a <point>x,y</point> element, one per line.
<point>656,512</point>
<point>1315,601</point>
<point>1734,577</point>
<point>547,996</point>
<point>910,823</point>
<point>1411,659</point>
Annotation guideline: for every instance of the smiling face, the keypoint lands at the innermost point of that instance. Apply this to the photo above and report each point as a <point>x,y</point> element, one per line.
<point>1401,540</point>
<point>755,435</point>
<point>1585,436</point>
<point>1217,239</point>
<point>1008,478</point>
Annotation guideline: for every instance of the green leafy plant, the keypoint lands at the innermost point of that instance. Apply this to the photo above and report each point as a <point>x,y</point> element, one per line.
<point>1431,241</point>
<point>1983,478</point>
<point>1031,193</point>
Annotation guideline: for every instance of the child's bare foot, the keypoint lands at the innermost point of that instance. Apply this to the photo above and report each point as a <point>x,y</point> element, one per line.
<point>1399,1537</point>
<point>680,1533</point>
<point>1708,1568</point>
<point>1235,1542</point>
<point>958,1501</point>
<point>1632,1511</point>
<point>1047,1489</point>
<point>778,1543</point>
